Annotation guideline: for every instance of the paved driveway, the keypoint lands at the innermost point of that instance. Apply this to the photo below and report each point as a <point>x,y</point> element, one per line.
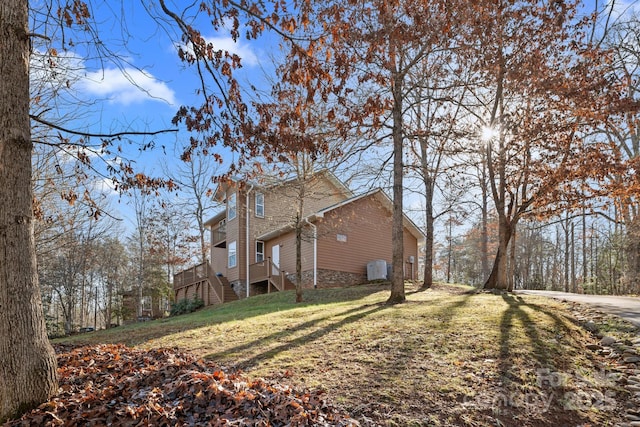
<point>626,307</point>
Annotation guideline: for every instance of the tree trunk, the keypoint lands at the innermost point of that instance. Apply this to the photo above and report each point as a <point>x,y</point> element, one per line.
<point>585,264</point>
<point>299,260</point>
<point>299,217</point>
<point>512,260</point>
<point>109,312</point>
<point>397,236</point>
<point>573,258</point>
<point>498,279</point>
<point>27,360</point>
<point>428,245</point>
<point>484,236</point>
<point>567,250</point>
<point>632,273</point>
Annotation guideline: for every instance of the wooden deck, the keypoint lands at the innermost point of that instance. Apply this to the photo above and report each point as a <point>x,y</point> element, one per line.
<point>201,282</point>
<point>267,271</point>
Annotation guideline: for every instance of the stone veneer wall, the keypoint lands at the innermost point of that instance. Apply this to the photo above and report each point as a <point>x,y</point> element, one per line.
<point>329,278</point>
<point>240,288</point>
<point>326,279</point>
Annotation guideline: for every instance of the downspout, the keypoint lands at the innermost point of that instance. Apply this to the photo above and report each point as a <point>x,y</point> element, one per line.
<point>315,253</point>
<point>246,243</point>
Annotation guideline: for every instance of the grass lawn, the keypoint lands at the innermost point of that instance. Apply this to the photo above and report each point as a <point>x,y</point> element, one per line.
<point>446,357</point>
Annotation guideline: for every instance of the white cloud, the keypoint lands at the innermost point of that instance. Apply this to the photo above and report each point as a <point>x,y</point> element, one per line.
<point>127,86</point>
<point>104,186</point>
<point>55,71</point>
<point>66,71</point>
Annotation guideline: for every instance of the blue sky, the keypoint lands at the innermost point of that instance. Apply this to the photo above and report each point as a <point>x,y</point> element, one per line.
<point>142,86</point>
<point>142,90</point>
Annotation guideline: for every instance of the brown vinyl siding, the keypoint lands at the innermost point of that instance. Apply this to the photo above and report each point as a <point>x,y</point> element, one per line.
<point>279,211</point>
<point>366,223</point>
<point>287,244</point>
<point>219,260</point>
<point>410,249</point>
<point>280,203</point>
<point>235,232</point>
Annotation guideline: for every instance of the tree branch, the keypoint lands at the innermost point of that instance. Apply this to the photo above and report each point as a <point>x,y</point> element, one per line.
<point>98,135</point>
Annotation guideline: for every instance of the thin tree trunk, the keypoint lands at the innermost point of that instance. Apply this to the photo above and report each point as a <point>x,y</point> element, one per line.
<point>109,301</point>
<point>585,265</point>
<point>428,246</point>
<point>567,249</point>
<point>632,273</point>
<point>484,236</point>
<point>27,360</point>
<point>573,258</point>
<point>299,260</point>
<point>397,235</point>
<point>299,225</point>
<point>512,261</point>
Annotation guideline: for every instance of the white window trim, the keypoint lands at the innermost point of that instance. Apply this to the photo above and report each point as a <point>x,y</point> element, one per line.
<point>256,205</point>
<point>235,206</point>
<point>235,255</point>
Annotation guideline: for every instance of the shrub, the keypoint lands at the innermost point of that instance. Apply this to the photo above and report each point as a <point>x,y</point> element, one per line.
<point>185,306</point>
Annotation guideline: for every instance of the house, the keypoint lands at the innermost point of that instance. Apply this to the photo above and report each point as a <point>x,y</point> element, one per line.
<point>343,233</point>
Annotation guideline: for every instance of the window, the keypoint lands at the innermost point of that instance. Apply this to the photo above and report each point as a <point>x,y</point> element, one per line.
<point>231,207</point>
<point>232,255</point>
<point>260,205</point>
<point>259,251</point>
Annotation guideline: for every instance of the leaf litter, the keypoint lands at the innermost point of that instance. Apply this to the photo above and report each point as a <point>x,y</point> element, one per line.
<point>119,386</point>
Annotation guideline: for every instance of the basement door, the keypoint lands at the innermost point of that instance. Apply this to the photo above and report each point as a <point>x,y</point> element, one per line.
<point>275,259</point>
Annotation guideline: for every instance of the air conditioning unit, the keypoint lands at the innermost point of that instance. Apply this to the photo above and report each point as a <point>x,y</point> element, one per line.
<point>412,259</point>
<point>377,270</point>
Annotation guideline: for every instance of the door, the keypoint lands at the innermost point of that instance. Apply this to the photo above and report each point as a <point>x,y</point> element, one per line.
<point>275,259</point>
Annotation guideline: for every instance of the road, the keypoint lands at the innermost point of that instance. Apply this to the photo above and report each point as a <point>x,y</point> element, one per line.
<point>626,307</point>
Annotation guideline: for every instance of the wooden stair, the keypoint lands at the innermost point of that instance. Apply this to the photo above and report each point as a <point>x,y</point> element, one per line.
<point>225,290</point>
<point>277,283</point>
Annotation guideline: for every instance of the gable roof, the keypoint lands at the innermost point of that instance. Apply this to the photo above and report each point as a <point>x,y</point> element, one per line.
<point>220,192</point>
<point>380,195</point>
<point>216,219</point>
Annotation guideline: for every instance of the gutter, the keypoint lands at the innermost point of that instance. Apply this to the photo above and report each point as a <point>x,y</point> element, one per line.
<point>315,253</point>
<point>246,243</point>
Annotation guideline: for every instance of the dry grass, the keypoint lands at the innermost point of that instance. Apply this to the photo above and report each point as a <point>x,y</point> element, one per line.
<point>447,357</point>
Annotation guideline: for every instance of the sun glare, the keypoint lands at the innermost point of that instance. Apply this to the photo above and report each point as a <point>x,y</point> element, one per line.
<point>488,133</point>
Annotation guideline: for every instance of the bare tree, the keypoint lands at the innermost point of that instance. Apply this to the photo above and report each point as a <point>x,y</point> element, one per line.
<point>27,360</point>
<point>194,178</point>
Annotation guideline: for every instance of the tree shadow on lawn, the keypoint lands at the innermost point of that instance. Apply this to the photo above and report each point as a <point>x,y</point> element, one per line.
<point>549,359</point>
<point>139,333</point>
<point>446,313</point>
<point>406,351</point>
<point>544,351</point>
<point>352,315</point>
<point>549,355</point>
<point>259,305</point>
